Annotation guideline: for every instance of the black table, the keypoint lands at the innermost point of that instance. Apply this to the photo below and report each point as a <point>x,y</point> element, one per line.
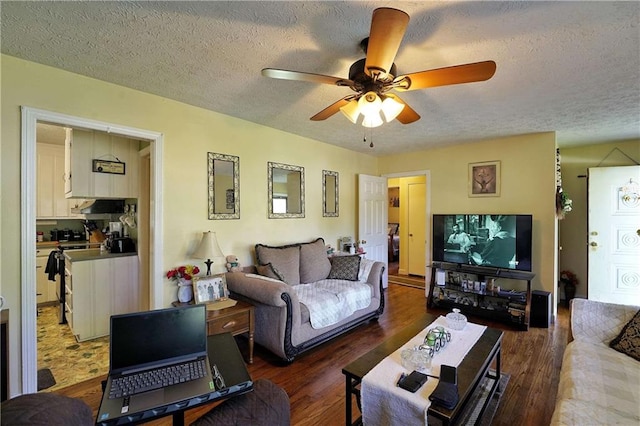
<point>473,368</point>
<point>223,351</point>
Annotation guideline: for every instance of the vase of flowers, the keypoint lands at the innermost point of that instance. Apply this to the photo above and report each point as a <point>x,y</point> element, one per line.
<point>183,276</point>
<point>570,281</point>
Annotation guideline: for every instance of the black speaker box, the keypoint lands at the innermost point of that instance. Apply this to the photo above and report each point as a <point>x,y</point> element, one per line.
<point>540,309</point>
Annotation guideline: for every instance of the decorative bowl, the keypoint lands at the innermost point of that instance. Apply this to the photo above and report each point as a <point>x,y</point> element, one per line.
<point>456,320</point>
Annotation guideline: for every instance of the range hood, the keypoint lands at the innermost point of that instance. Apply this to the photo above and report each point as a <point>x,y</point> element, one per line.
<point>100,206</point>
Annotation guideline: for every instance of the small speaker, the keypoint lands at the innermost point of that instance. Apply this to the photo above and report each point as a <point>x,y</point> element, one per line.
<point>540,309</point>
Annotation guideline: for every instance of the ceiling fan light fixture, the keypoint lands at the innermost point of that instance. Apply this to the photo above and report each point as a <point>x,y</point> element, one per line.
<point>373,120</point>
<point>351,111</point>
<point>391,109</point>
<point>370,104</point>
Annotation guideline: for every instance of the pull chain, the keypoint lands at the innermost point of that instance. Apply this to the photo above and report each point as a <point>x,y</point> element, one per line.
<point>364,139</point>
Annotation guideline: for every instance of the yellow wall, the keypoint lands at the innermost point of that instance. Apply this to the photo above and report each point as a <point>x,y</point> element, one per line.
<point>527,187</point>
<point>394,212</point>
<point>573,228</point>
<point>189,133</point>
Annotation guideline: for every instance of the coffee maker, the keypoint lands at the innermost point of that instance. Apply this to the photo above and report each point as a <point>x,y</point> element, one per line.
<point>115,229</point>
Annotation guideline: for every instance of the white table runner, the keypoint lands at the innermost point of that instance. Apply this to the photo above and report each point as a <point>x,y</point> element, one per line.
<point>384,403</point>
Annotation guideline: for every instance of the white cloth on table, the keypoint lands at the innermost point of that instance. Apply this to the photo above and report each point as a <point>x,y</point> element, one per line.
<point>384,403</point>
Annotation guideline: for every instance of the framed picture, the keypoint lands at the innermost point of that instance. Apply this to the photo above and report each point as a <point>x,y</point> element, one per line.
<point>484,179</point>
<point>212,288</point>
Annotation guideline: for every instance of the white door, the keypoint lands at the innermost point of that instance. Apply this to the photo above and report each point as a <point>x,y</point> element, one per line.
<point>417,224</point>
<point>372,223</point>
<point>614,235</point>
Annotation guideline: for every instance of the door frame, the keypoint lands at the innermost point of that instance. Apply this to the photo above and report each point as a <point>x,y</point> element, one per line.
<point>427,226</point>
<point>30,117</point>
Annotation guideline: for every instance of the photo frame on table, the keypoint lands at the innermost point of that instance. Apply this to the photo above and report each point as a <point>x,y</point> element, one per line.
<point>212,290</point>
<point>484,179</point>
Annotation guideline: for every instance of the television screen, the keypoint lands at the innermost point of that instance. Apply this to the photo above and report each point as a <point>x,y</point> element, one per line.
<point>500,241</point>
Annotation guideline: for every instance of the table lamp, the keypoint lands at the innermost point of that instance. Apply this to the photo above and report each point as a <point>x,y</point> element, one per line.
<point>208,249</point>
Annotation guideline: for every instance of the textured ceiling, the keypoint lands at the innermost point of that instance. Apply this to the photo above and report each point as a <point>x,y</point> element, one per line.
<point>569,67</point>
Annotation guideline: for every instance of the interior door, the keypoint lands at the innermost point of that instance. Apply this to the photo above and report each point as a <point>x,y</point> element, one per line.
<point>372,219</point>
<point>614,235</point>
<point>417,233</point>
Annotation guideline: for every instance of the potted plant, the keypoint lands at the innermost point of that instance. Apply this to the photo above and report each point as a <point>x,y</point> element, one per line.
<point>570,281</point>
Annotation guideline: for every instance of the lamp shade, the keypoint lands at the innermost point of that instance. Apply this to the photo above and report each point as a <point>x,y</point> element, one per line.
<point>373,120</point>
<point>369,104</point>
<point>391,108</point>
<point>208,248</point>
<point>351,111</point>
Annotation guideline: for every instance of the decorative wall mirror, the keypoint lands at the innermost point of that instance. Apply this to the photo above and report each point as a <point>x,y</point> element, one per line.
<point>224,186</point>
<point>286,190</point>
<point>330,194</point>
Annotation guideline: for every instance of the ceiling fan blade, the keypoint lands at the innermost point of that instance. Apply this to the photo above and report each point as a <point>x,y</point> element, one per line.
<point>332,109</point>
<point>305,76</point>
<point>387,29</point>
<point>468,73</point>
<point>408,114</point>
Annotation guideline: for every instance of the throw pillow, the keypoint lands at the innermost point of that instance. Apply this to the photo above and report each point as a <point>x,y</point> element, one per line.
<point>628,341</point>
<point>314,263</point>
<point>285,259</point>
<point>345,268</point>
<point>269,271</point>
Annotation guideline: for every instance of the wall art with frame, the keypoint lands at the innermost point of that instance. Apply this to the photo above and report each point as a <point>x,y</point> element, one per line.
<point>484,179</point>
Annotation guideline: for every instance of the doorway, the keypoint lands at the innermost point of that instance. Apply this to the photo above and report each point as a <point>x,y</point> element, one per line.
<point>30,118</point>
<point>411,213</point>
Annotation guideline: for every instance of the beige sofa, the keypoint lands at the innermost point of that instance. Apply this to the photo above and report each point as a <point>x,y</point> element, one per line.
<point>302,297</point>
<point>598,385</point>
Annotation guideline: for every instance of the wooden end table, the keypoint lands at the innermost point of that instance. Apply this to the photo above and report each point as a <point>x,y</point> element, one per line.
<point>237,319</point>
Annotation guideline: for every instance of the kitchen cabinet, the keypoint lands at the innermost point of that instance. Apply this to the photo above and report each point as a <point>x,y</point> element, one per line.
<point>81,181</point>
<point>97,289</point>
<point>45,289</point>
<point>51,202</point>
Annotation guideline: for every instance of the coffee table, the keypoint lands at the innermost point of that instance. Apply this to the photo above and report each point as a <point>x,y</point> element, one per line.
<point>473,368</point>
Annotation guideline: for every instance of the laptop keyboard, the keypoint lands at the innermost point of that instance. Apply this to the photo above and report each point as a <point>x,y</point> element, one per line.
<point>157,378</point>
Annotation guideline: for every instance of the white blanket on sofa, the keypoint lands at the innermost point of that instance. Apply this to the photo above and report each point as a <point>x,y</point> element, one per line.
<point>330,301</point>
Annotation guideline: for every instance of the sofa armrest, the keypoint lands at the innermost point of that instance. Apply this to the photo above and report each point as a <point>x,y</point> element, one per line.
<point>598,322</point>
<point>264,290</point>
<point>375,275</point>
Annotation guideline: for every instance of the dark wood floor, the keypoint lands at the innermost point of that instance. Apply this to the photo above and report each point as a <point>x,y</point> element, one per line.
<point>315,384</point>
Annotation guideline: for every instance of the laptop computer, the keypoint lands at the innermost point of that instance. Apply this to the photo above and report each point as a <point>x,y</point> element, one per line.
<point>149,341</point>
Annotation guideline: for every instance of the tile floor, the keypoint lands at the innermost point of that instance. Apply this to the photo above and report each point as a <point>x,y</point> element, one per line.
<point>69,361</point>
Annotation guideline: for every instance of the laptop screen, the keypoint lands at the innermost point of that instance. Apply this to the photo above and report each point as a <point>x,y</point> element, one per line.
<point>145,338</point>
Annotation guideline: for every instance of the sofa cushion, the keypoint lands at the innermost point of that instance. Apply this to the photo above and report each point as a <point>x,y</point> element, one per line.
<point>285,259</point>
<point>268,405</point>
<point>628,341</point>
<point>314,263</point>
<point>269,271</point>
<point>345,268</point>
<point>598,375</point>
<point>45,409</point>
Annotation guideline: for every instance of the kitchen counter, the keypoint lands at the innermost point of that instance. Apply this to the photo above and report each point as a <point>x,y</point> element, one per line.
<point>64,244</point>
<point>93,254</point>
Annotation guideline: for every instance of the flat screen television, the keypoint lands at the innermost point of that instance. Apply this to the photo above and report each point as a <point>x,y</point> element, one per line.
<point>498,241</point>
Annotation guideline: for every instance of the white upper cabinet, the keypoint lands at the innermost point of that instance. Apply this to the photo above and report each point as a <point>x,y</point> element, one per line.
<point>81,181</point>
<point>50,198</point>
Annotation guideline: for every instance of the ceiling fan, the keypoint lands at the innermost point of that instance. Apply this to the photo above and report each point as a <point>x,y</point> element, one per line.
<point>374,77</point>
